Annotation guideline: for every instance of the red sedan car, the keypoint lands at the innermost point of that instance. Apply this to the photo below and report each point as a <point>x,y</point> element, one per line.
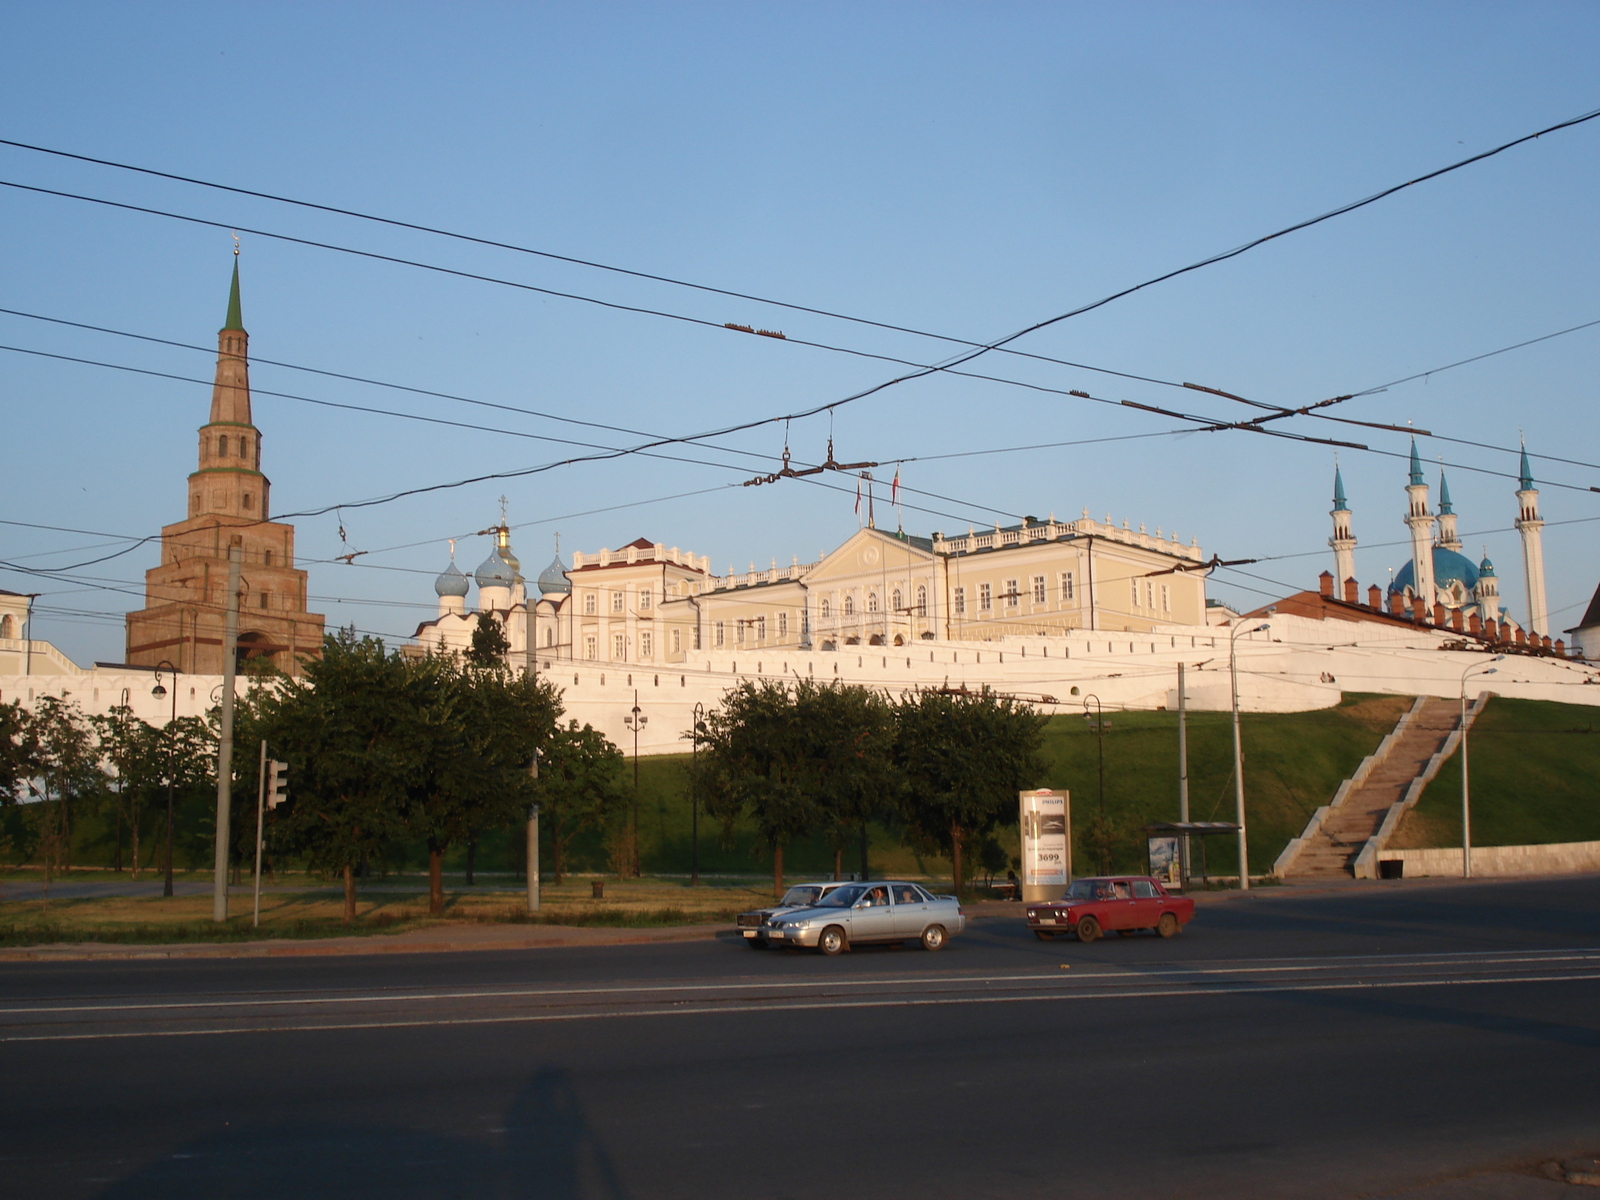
<point>1123,903</point>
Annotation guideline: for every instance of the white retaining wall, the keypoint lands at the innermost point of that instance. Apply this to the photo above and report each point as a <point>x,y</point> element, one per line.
<point>1556,858</point>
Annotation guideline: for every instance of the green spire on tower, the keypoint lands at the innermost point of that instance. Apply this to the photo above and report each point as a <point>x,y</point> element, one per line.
<point>1340,504</point>
<point>1416,464</point>
<point>1444,494</point>
<point>235,318</point>
<point>1526,480</point>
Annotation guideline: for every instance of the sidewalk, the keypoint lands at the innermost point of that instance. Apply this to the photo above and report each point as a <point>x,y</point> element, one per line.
<point>435,939</point>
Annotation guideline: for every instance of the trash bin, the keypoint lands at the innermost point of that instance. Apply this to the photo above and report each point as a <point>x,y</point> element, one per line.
<point>1391,868</point>
<point>597,889</point>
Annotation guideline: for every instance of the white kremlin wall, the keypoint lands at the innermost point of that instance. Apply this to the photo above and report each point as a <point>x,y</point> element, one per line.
<point>1296,665</point>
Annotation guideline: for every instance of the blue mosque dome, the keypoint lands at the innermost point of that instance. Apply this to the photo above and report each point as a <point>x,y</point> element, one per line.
<point>452,582</point>
<point>553,579</point>
<point>1448,568</point>
<point>495,572</point>
<point>1485,567</point>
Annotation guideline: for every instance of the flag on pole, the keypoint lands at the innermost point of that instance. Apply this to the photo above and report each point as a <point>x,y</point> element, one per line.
<point>858,495</point>
<point>894,488</point>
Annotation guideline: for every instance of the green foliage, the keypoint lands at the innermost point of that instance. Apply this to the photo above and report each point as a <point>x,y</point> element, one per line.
<point>963,756</point>
<point>581,787</point>
<point>19,750</point>
<point>489,643</point>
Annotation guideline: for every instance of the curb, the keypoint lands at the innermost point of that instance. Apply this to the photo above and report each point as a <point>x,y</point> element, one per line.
<point>563,936</point>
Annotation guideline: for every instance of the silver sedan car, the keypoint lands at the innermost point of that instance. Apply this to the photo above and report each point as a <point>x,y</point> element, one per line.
<point>891,911</point>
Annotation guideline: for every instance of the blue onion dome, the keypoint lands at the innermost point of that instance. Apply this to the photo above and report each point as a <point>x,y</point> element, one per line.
<point>553,579</point>
<point>1485,567</point>
<point>452,582</point>
<point>1448,568</point>
<point>495,572</point>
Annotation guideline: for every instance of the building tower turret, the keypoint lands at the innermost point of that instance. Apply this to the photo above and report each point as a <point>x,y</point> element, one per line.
<point>1421,522</point>
<point>1529,526</point>
<point>1342,541</point>
<point>1488,591</point>
<point>1447,517</point>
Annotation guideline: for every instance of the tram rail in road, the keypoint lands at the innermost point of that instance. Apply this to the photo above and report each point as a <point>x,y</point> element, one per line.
<point>68,1018</point>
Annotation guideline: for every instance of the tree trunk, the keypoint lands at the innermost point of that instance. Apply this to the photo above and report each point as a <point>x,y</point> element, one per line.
<point>955,855</point>
<point>777,870</point>
<point>349,893</point>
<point>66,844</point>
<point>838,855</point>
<point>435,879</point>
<point>133,829</point>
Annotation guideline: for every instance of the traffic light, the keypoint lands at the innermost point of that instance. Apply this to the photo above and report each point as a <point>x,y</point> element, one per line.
<point>276,782</point>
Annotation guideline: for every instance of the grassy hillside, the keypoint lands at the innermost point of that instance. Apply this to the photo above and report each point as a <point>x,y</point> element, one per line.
<point>1535,775</point>
<point>1293,763</point>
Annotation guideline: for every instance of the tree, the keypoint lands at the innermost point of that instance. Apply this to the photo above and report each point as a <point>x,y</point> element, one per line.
<point>123,740</point>
<point>581,786</point>
<point>489,645</point>
<point>352,731</point>
<point>68,768</point>
<point>964,756</point>
<point>796,758</point>
<point>479,726</point>
<point>19,750</point>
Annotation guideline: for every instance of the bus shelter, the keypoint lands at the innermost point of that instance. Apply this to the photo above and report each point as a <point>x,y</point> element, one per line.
<point>1170,850</point>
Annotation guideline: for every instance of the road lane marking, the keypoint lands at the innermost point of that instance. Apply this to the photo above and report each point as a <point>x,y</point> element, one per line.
<point>688,1009</point>
<point>1180,971</point>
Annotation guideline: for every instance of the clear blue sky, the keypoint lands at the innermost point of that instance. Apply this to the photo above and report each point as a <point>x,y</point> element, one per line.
<point>962,169</point>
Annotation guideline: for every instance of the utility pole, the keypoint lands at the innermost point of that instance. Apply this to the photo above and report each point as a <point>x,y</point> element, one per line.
<point>261,812</point>
<point>694,798</point>
<point>1183,772</point>
<point>533,841</point>
<point>635,720</point>
<point>1238,756</point>
<point>230,668</point>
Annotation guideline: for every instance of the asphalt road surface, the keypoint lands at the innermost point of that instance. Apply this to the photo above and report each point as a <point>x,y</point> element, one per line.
<point>1287,1044</point>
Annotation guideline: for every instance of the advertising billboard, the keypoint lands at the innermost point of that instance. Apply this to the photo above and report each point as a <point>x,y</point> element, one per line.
<point>1045,818</point>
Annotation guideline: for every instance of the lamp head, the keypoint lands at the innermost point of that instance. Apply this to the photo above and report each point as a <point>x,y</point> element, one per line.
<point>158,691</point>
<point>1492,671</point>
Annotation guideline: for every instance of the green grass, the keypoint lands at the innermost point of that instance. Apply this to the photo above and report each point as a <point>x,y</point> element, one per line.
<point>1535,775</point>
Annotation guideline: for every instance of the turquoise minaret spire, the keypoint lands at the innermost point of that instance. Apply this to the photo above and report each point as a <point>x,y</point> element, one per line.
<point>1444,494</point>
<point>1342,541</point>
<point>1447,517</point>
<point>1416,464</point>
<point>1525,483</point>
<point>1340,504</point>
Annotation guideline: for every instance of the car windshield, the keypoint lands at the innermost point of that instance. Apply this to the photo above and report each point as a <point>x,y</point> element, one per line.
<point>800,897</point>
<point>842,897</point>
<point>1089,889</point>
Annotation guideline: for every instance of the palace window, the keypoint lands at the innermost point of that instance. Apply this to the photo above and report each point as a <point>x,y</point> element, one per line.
<point>619,648</point>
<point>1166,597</point>
<point>1038,589</point>
<point>697,635</point>
<point>761,629</point>
<point>872,602</point>
<point>783,624</point>
<point>896,601</point>
<point>1011,593</point>
<point>646,644</point>
<point>616,601</point>
<point>922,601</point>
<point>826,608</point>
<point>588,606</point>
<point>677,641</point>
<point>590,647</point>
<point>738,630</point>
<point>1149,595</point>
<point>549,637</point>
<point>1133,585</point>
<point>849,606</point>
<point>644,600</point>
<point>7,627</point>
<point>985,598</point>
<point>1066,585</point>
<point>718,635</point>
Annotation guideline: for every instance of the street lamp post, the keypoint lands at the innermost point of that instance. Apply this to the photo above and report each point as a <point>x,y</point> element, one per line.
<point>158,691</point>
<point>694,798</point>
<point>635,720</point>
<point>1238,755</point>
<point>1466,800</point>
<point>532,835</point>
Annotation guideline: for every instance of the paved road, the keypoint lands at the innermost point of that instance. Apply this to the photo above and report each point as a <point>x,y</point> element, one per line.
<point>1322,1045</point>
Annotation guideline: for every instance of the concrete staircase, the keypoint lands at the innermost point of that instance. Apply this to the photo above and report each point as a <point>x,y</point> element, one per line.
<point>1342,830</point>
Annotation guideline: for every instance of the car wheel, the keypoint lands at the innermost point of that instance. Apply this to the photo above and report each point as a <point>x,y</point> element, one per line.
<point>1044,935</point>
<point>1168,925</point>
<point>933,937</point>
<point>833,941</point>
<point>1088,929</point>
<point>757,943</point>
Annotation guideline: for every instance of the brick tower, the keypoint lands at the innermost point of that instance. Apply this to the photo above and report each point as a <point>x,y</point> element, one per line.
<point>185,600</point>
